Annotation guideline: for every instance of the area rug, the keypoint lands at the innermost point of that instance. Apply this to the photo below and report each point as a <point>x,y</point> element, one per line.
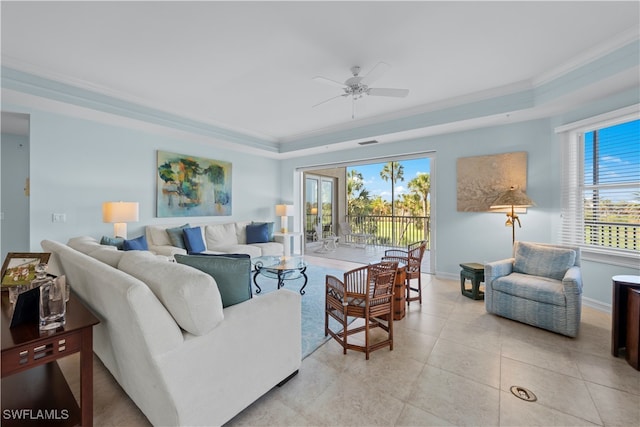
<point>312,304</point>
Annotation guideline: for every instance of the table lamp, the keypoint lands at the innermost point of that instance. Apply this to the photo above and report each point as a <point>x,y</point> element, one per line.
<point>284,211</point>
<point>119,213</point>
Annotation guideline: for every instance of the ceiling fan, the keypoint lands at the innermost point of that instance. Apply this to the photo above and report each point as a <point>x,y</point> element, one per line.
<point>358,86</point>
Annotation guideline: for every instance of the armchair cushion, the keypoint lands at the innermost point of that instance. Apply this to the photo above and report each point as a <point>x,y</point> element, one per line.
<point>543,261</point>
<point>533,288</point>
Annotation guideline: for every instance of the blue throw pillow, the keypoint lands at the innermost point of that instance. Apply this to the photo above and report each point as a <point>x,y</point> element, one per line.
<point>112,241</point>
<point>269,226</point>
<point>257,233</point>
<point>137,244</point>
<point>176,237</point>
<point>193,240</point>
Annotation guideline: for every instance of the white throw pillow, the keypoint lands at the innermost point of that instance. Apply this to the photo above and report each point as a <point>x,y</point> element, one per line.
<point>220,234</point>
<point>191,296</point>
<point>158,235</point>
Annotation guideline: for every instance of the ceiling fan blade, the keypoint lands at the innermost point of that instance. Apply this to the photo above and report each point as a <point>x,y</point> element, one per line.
<point>327,100</point>
<point>329,82</point>
<point>375,73</point>
<point>381,91</point>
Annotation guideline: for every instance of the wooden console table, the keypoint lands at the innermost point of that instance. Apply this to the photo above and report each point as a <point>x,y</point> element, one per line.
<point>34,390</point>
<point>620,310</point>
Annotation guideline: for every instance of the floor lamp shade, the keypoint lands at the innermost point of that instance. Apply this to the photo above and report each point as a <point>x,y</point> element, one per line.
<point>512,198</point>
<point>120,213</point>
<point>284,212</point>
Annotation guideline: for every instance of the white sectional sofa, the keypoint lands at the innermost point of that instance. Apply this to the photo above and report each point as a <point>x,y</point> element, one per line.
<point>165,337</point>
<point>219,238</point>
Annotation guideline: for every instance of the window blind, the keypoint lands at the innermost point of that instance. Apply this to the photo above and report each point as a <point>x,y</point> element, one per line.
<point>601,187</point>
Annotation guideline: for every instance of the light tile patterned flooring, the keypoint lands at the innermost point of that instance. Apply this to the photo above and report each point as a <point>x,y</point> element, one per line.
<point>452,364</point>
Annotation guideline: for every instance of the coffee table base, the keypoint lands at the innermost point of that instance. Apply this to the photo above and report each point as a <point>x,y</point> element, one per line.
<point>281,277</point>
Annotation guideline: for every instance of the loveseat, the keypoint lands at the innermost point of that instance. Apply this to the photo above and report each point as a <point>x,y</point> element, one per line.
<point>166,338</point>
<point>244,237</point>
<point>541,286</point>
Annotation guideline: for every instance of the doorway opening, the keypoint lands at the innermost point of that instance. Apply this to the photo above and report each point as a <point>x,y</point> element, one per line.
<point>385,203</point>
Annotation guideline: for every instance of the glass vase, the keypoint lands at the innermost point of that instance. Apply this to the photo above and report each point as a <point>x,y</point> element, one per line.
<point>53,306</point>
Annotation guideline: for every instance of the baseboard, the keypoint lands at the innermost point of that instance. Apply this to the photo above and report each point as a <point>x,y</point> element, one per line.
<point>597,305</point>
<point>284,381</point>
<point>447,276</point>
<point>588,302</point>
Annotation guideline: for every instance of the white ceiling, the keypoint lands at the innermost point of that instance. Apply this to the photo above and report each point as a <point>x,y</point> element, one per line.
<point>248,66</point>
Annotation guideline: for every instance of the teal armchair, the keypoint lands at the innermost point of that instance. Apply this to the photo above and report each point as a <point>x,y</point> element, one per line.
<point>541,286</point>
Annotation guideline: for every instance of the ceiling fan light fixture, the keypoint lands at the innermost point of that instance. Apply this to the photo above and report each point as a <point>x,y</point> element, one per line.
<point>356,86</point>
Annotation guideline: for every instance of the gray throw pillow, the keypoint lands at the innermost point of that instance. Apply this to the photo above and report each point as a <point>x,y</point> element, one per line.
<point>176,236</point>
<point>232,274</point>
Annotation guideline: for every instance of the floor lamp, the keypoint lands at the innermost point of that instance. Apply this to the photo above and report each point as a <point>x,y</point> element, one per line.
<point>512,198</point>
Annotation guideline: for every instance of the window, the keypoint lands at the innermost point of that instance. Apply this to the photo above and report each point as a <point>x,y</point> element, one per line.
<point>601,185</point>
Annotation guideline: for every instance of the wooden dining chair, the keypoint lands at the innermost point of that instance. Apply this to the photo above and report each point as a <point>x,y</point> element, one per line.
<point>412,259</point>
<point>366,293</point>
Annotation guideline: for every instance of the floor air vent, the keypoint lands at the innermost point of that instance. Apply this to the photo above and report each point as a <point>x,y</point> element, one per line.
<point>523,393</point>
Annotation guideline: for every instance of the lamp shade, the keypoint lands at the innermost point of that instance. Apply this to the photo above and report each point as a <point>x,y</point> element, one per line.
<point>284,210</point>
<point>513,197</point>
<point>116,212</point>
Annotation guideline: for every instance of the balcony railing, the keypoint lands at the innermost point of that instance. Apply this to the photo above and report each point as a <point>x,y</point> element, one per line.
<point>612,234</point>
<point>390,230</point>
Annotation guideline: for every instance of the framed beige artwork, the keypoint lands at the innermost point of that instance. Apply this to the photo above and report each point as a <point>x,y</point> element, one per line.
<point>481,179</point>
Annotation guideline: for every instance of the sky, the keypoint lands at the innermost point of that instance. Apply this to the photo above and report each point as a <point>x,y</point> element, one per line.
<point>378,187</point>
<point>619,159</point>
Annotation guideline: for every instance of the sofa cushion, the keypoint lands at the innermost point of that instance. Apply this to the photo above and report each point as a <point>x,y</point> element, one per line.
<point>176,237</point>
<point>270,248</point>
<point>251,250</point>
<point>191,296</point>
<point>232,274</point>
<point>107,256</point>
<point>157,235</point>
<point>544,261</point>
<point>118,242</point>
<point>217,235</point>
<point>193,240</point>
<point>534,288</point>
<point>86,244</point>
<point>137,244</point>
<point>257,233</point>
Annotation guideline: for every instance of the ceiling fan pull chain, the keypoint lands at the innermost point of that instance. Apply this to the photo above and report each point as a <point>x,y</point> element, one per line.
<point>353,108</point>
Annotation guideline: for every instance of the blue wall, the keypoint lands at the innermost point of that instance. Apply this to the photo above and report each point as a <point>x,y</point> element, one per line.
<point>77,164</point>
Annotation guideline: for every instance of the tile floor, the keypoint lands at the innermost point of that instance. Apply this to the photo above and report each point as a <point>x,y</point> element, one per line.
<point>452,364</point>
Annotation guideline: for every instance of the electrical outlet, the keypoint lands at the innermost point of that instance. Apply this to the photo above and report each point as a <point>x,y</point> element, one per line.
<point>59,217</point>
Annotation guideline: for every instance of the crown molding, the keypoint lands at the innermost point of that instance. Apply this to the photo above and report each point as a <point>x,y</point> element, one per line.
<point>623,39</point>
<point>21,81</point>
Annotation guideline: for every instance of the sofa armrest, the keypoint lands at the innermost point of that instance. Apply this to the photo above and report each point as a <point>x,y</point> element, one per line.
<point>572,281</point>
<point>496,269</point>
<point>166,250</point>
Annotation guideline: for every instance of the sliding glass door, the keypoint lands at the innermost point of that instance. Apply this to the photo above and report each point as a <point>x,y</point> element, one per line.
<point>319,207</point>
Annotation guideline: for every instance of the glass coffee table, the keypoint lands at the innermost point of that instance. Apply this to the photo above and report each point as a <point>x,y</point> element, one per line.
<point>280,269</point>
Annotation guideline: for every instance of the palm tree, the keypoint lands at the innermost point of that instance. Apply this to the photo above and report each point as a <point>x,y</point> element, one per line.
<point>421,186</point>
<point>357,194</point>
<point>392,171</point>
<point>379,206</point>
